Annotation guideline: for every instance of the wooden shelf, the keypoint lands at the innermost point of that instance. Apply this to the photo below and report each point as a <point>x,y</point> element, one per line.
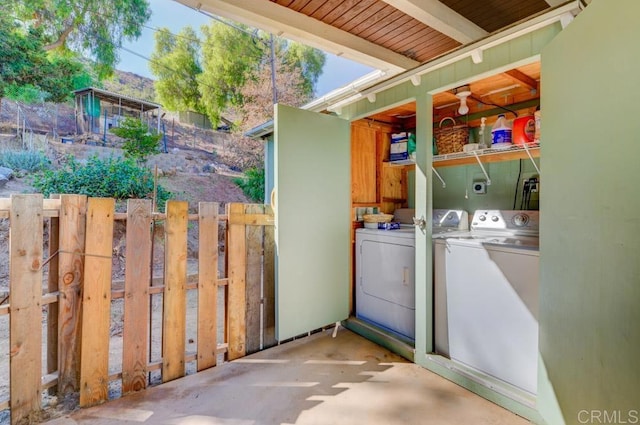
<point>485,155</point>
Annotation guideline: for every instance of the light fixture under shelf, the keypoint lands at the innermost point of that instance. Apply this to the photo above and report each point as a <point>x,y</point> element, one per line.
<point>463,93</point>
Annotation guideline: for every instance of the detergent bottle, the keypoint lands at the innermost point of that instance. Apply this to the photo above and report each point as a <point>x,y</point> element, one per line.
<point>501,133</point>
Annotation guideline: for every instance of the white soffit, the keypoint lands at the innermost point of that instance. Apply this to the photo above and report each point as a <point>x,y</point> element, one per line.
<point>441,18</point>
<point>289,24</point>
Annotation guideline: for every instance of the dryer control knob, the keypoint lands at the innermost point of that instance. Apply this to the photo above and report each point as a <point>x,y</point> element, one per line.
<point>520,220</point>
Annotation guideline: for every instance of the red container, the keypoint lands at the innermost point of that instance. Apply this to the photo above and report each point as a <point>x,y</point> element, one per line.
<point>524,129</point>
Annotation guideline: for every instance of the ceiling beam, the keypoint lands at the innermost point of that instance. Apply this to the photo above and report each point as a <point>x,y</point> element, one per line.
<point>522,78</point>
<point>554,3</point>
<point>441,18</point>
<point>287,23</point>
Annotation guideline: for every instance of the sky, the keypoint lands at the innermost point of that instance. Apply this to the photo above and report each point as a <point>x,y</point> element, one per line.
<point>169,14</point>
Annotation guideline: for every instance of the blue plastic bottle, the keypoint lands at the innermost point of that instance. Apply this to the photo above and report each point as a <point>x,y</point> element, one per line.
<point>501,133</point>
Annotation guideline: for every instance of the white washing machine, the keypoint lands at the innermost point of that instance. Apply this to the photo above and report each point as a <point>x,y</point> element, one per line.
<point>487,282</point>
<point>385,279</point>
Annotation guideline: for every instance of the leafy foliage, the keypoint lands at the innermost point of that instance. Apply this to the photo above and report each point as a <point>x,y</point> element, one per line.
<point>252,184</point>
<point>27,72</point>
<point>211,75</point>
<point>139,143</point>
<point>113,178</point>
<point>24,160</point>
<point>176,63</point>
<point>96,27</point>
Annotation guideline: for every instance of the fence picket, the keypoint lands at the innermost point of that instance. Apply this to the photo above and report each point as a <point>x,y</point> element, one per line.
<point>269,294</point>
<point>175,293</point>
<point>25,332</point>
<point>236,310</point>
<point>73,210</point>
<point>96,299</point>
<point>207,285</point>
<point>135,344</point>
<point>254,238</point>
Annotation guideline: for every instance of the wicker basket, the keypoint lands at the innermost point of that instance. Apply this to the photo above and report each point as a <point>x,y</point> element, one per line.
<point>377,218</point>
<point>451,139</point>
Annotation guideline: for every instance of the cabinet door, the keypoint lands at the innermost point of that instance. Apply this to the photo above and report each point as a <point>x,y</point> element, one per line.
<point>363,165</point>
<point>312,163</point>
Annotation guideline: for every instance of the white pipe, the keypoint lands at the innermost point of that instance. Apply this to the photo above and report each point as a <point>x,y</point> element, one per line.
<point>444,185</point>
<point>486,176</point>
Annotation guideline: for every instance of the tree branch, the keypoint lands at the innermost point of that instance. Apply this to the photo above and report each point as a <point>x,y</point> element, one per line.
<point>61,39</point>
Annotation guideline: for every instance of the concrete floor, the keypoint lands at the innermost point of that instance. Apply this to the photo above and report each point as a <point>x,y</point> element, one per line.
<point>315,380</point>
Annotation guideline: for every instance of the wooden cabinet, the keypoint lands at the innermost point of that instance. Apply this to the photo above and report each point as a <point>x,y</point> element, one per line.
<point>364,170</point>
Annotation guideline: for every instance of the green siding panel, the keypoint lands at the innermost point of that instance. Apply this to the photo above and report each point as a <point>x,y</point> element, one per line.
<point>590,232</point>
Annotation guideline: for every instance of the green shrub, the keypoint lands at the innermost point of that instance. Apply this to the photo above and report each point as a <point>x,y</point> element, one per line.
<point>252,184</point>
<point>30,161</point>
<point>108,178</point>
<point>139,143</point>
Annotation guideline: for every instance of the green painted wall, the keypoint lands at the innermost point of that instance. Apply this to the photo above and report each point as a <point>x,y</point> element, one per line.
<point>506,186</point>
<point>269,165</point>
<point>590,234</point>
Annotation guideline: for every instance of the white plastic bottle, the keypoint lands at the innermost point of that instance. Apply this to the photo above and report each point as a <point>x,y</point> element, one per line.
<point>501,133</point>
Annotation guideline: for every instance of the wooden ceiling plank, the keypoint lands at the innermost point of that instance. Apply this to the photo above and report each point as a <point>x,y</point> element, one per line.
<point>280,20</point>
<point>298,5</point>
<point>441,18</point>
<point>522,78</point>
<point>415,38</point>
<point>387,24</point>
<point>498,14</point>
<point>349,20</point>
<point>433,46</point>
<point>407,29</point>
<point>373,20</point>
<point>329,7</point>
<point>311,7</point>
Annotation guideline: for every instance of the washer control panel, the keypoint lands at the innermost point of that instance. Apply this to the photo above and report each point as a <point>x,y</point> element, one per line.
<point>449,220</point>
<point>513,221</point>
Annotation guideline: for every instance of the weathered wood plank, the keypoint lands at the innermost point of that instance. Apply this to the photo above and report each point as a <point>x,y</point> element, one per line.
<point>236,305</point>
<point>175,294</point>
<point>269,284</point>
<point>47,204</point>
<point>253,220</point>
<point>72,224</point>
<point>207,285</point>
<point>253,280</point>
<point>52,286</point>
<point>96,299</point>
<point>25,283</point>
<point>135,344</point>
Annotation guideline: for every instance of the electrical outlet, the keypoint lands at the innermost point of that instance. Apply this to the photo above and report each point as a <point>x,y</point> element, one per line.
<point>480,187</point>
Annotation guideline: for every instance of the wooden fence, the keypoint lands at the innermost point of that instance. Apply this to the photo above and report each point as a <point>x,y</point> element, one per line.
<point>78,295</point>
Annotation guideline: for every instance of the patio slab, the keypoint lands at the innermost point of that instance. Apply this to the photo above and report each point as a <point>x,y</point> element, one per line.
<point>314,380</point>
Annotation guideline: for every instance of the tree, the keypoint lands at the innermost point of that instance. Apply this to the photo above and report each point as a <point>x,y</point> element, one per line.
<point>229,58</point>
<point>235,56</point>
<point>96,27</point>
<point>26,67</point>
<point>139,142</point>
<point>176,63</point>
<point>258,95</point>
